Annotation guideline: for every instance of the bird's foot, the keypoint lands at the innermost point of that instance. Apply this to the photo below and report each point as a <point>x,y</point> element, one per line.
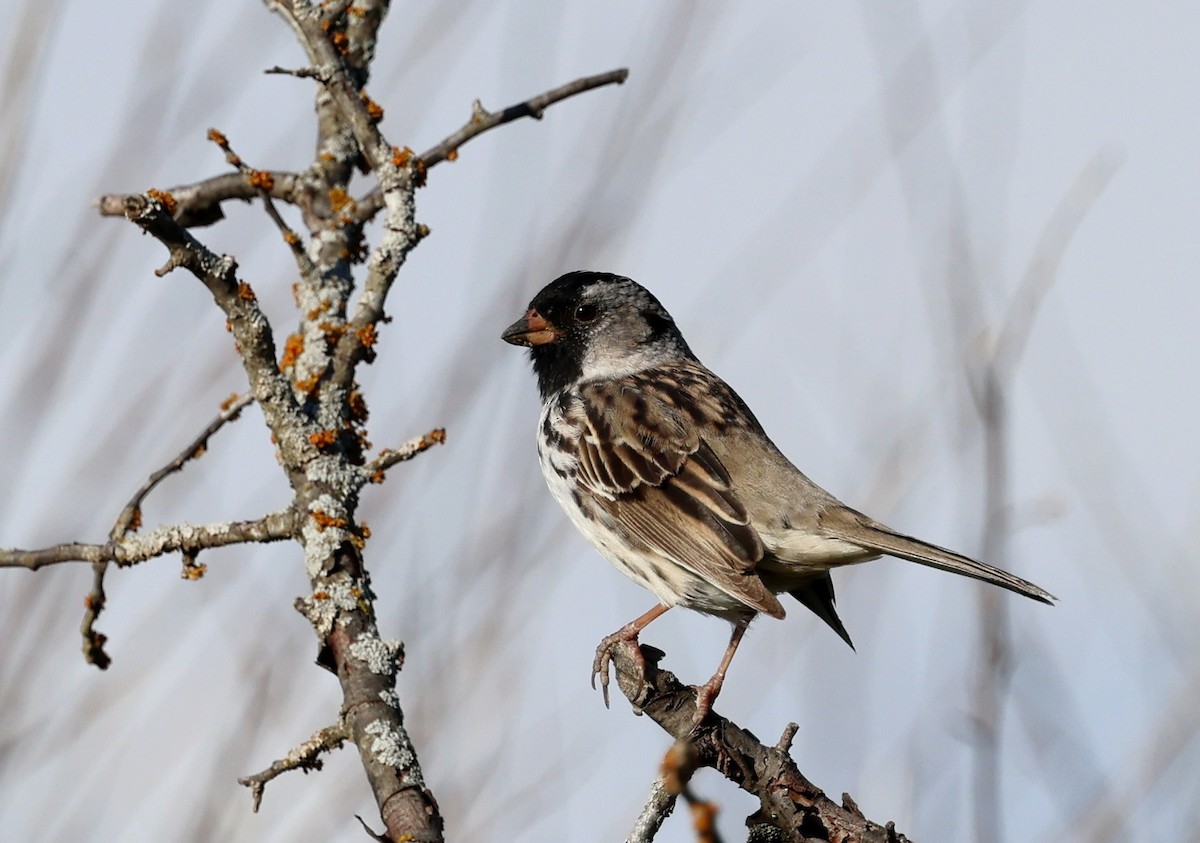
<point>706,695</point>
<point>627,634</point>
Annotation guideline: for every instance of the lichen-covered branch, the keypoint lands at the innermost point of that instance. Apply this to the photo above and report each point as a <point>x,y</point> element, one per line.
<point>250,328</point>
<point>172,538</point>
<point>309,395</point>
<point>388,457</point>
<point>199,203</point>
<point>482,120</point>
<point>788,801</point>
<point>306,756</point>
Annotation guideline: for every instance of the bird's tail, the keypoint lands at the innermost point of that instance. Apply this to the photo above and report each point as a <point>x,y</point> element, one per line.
<point>858,529</point>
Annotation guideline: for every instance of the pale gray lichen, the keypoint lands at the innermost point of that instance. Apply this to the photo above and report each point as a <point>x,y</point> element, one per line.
<point>139,546</point>
<point>322,539</point>
<point>391,748</point>
<point>335,474</point>
<point>390,697</point>
<point>339,594</point>
<point>329,408</point>
<point>379,656</point>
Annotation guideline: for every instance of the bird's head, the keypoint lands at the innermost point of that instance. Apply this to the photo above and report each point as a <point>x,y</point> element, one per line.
<point>588,325</point>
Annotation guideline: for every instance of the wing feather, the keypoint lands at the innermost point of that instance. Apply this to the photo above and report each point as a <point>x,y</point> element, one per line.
<point>642,458</point>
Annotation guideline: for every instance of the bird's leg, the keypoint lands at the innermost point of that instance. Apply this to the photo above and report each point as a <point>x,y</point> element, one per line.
<point>628,633</point>
<point>706,694</point>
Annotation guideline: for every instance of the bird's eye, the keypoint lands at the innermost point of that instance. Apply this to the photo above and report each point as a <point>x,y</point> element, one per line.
<point>586,312</point>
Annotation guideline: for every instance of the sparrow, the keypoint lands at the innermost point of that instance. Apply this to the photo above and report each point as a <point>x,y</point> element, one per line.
<point>668,474</point>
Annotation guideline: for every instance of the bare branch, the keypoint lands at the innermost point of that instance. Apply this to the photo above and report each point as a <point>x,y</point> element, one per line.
<point>250,328</point>
<point>659,805</point>
<point>130,519</point>
<point>306,756</point>
<point>199,203</point>
<point>132,549</point>
<point>131,516</point>
<point>483,120</point>
<point>788,800</point>
<point>262,181</point>
<point>389,457</point>
<point>298,72</point>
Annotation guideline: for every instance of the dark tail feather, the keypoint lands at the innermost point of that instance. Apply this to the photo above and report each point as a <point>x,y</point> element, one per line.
<point>856,528</point>
<point>817,595</point>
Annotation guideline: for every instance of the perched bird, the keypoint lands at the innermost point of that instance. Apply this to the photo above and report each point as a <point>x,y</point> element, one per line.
<point>668,474</point>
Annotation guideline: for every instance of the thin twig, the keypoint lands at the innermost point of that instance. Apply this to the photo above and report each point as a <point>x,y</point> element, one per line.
<point>171,538</point>
<point>299,72</point>
<point>131,516</point>
<point>199,203</point>
<point>390,456</point>
<point>251,329</point>
<point>483,120</point>
<point>306,756</point>
<point>130,519</point>
<point>659,805</point>
<point>261,180</point>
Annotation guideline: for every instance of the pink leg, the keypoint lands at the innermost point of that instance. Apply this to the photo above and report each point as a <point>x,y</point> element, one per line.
<point>706,694</point>
<point>626,634</point>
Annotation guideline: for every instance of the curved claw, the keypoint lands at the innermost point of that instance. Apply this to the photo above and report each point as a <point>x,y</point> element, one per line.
<point>628,634</point>
<point>604,660</point>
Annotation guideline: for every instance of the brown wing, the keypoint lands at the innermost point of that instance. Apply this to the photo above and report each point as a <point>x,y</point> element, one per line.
<point>643,459</point>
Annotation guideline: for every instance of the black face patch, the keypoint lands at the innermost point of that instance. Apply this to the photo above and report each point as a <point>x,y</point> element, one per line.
<point>661,326</point>
<point>590,308</point>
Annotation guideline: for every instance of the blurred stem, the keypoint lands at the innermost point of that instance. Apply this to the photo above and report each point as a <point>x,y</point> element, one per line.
<point>991,689</point>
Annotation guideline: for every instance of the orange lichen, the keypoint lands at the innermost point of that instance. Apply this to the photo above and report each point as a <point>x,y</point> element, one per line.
<point>135,520</point>
<point>167,200</point>
<point>339,199</point>
<point>320,595</point>
<point>325,521</point>
<point>193,570</point>
<point>218,138</point>
<point>374,109</point>
<point>308,385</point>
<point>229,402</point>
<point>291,238</point>
<point>341,41</point>
<point>452,155</point>
<point>437,436</point>
<point>323,438</point>
<point>245,293</point>
<point>318,310</point>
<point>366,335</point>
<point>261,179</point>
<point>291,352</point>
<point>401,157</point>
